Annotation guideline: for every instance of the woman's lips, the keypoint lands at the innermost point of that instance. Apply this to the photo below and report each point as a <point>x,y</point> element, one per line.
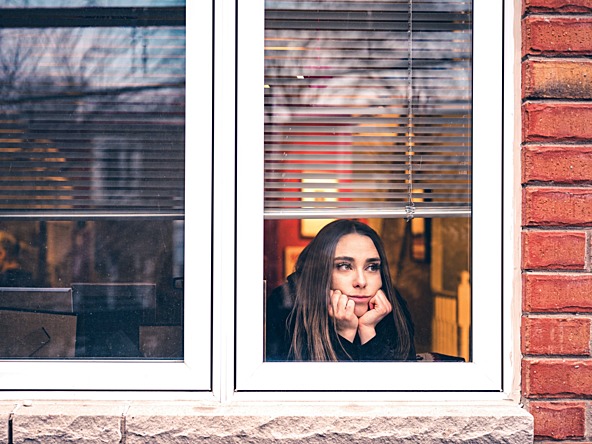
<point>359,298</point>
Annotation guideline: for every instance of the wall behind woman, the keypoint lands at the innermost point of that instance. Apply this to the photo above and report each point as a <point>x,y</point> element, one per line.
<point>419,280</point>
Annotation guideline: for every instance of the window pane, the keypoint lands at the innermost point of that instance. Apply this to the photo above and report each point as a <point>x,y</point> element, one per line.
<point>92,157</point>
<point>367,108</point>
<point>93,121</point>
<point>368,115</point>
<point>428,259</point>
<point>91,289</point>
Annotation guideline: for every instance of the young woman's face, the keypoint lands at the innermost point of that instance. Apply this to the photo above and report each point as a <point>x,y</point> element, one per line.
<point>356,270</point>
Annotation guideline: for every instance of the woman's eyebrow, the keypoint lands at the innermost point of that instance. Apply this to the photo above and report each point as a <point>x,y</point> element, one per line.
<point>351,259</point>
<point>344,258</point>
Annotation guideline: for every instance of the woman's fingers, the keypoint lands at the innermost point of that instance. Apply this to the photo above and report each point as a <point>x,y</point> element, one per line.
<point>349,306</point>
<point>380,303</point>
<point>340,304</point>
<point>379,308</point>
<point>342,310</point>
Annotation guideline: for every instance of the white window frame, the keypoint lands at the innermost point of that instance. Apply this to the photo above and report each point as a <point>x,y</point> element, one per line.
<point>73,378</point>
<point>211,369</point>
<point>491,373</point>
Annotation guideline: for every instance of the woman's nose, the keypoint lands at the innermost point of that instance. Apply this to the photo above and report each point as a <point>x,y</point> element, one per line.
<point>360,279</point>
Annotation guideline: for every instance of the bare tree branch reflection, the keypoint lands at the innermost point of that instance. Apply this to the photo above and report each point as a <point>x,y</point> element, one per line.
<point>90,112</point>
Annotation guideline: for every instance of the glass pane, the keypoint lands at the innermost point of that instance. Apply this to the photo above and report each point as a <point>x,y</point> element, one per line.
<point>92,153</point>
<point>368,117</point>
<point>92,121</point>
<point>90,289</point>
<point>367,109</point>
<point>429,266</point>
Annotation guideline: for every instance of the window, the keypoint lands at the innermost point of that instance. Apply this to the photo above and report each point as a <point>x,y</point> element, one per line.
<point>93,149</point>
<point>381,112</point>
<point>105,86</point>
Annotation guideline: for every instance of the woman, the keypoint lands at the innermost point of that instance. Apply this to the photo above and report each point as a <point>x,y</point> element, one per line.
<point>339,304</point>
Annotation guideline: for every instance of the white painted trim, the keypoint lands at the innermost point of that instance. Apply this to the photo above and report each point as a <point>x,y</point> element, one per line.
<point>224,197</point>
<point>512,197</point>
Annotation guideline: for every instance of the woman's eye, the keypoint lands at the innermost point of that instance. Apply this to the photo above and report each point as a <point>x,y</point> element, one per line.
<point>343,266</point>
<point>374,267</point>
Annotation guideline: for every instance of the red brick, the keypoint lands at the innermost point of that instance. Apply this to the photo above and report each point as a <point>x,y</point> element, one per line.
<point>557,35</point>
<point>557,293</point>
<point>553,79</point>
<point>560,250</point>
<point>559,164</point>
<point>558,420</point>
<point>538,6</point>
<point>556,122</point>
<point>556,378</point>
<point>555,336</point>
<point>557,206</point>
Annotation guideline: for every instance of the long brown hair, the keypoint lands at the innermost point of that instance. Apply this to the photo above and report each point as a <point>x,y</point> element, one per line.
<point>313,328</point>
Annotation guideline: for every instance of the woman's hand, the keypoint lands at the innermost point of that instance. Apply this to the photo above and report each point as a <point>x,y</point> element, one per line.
<point>379,307</point>
<point>341,309</point>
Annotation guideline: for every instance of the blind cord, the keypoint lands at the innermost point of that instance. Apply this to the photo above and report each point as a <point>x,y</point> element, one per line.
<point>410,207</point>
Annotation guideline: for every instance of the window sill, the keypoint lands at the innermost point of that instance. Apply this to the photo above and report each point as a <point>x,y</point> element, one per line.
<point>265,422</point>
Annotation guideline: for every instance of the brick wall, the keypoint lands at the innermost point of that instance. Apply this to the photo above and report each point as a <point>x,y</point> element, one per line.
<point>557,217</point>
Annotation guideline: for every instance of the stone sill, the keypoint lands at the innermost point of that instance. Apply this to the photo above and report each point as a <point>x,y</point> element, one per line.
<point>264,422</point>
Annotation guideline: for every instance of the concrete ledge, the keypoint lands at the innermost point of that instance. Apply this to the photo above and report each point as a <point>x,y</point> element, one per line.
<point>67,422</point>
<point>6,409</point>
<point>267,422</point>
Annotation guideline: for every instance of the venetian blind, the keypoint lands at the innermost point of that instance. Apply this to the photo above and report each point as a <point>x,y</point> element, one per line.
<point>367,108</point>
<point>92,112</point>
